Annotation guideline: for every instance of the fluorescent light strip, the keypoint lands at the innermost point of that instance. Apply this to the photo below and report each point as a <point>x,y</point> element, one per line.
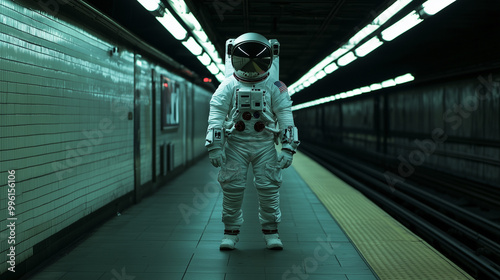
<point>390,12</point>
<point>213,68</point>
<point>358,37</point>
<point>320,74</point>
<point>388,83</point>
<point>401,26</point>
<point>385,84</point>
<point>325,67</point>
<point>201,37</point>
<point>192,46</point>
<point>330,68</point>
<point>346,59</point>
<point>173,26</point>
<point>220,76</point>
<point>404,79</point>
<point>363,33</point>
<point>150,5</point>
<point>431,7</point>
<point>375,87</point>
<point>368,47</point>
<point>198,44</point>
<point>204,59</point>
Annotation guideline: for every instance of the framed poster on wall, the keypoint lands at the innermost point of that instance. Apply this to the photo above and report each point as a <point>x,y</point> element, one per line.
<point>169,103</point>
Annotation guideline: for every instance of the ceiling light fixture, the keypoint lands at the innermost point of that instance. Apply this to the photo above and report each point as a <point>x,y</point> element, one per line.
<point>150,5</point>
<point>192,46</point>
<point>433,7</point>
<point>368,47</point>
<point>337,58</point>
<point>195,40</point>
<point>401,26</point>
<point>353,42</point>
<point>204,59</point>
<point>385,84</point>
<point>172,25</point>
<point>346,59</point>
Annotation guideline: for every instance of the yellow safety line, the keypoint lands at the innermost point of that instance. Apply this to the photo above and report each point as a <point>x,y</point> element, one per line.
<point>390,249</point>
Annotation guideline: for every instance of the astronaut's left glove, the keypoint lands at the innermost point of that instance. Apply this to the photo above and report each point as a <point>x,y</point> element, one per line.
<point>217,157</point>
<point>285,158</point>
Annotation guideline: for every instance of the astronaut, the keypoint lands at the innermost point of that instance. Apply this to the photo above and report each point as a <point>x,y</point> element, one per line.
<point>250,112</point>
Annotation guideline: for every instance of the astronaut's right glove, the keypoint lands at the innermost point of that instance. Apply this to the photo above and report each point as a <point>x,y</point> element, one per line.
<point>217,157</point>
<point>285,158</point>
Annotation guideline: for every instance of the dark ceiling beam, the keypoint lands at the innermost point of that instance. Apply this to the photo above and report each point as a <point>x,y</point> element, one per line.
<point>246,18</point>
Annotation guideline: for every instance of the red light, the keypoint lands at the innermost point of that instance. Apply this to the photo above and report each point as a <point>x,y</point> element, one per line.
<point>207,80</point>
<point>165,84</point>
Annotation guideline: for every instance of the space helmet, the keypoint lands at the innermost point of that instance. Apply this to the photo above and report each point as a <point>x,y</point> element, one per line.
<point>251,57</point>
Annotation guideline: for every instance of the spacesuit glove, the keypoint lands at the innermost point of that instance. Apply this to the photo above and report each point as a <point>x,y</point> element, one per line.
<point>217,157</point>
<point>285,159</point>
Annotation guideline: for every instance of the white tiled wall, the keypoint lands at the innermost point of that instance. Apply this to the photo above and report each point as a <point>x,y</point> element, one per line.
<point>143,85</point>
<point>63,124</point>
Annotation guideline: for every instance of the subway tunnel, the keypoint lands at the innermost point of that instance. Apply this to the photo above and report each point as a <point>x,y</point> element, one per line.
<point>105,110</point>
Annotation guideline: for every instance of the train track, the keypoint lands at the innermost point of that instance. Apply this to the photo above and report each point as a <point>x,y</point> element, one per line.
<point>429,206</point>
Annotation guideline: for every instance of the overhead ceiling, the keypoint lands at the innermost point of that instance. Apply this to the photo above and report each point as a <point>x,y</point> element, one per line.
<point>462,38</point>
<point>308,31</point>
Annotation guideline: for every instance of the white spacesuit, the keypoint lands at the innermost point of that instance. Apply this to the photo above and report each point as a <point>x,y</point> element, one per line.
<point>245,112</point>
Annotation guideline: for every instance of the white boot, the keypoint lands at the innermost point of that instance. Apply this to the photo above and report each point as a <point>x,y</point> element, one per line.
<point>228,242</point>
<point>273,241</point>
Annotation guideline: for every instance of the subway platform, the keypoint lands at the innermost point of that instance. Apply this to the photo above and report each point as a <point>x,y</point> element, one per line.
<point>176,232</point>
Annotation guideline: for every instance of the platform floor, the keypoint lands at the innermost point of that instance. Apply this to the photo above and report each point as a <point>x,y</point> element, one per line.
<point>175,234</point>
<point>390,249</point>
